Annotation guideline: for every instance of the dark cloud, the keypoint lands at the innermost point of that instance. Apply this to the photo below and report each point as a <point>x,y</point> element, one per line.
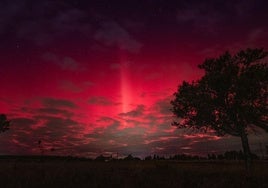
<point>107,120</point>
<point>65,63</point>
<point>134,113</point>
<point>54,111</point>
<point>113,34</point>
<point>58,122</point>
<point>49,108</point>
<point>52,131</point>
<point>74,87</point>
<point>109,136</point>
<point>55,126</point>
<point>211,16</point>
<point>9,11</point>
<point>70,86</point>
<point>163,106</point>
<point>23,122</point>
<point>101,100</point>
<point>49,22</point>
<point>202,17</point>
<point>43,22</point>
<point>58,103</point>
<point>113,138</point>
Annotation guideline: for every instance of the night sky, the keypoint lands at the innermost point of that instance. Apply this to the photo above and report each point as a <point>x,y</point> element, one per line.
<point>96,77</point>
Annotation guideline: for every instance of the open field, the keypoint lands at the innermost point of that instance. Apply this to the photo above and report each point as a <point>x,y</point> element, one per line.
<point>91,174</point>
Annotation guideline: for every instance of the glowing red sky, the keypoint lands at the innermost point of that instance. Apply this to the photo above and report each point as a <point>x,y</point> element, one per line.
<point>89,78</point>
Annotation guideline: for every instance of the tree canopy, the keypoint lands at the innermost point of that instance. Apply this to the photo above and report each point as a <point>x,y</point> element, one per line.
<point>231,98</point>
<point>4,123</point>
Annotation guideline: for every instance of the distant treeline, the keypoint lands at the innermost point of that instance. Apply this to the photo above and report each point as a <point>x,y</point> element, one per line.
<point>40,158</point>
<point>228,155</point>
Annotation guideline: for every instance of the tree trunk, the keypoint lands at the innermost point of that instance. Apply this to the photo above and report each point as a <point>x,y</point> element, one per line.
<point>246,149</point>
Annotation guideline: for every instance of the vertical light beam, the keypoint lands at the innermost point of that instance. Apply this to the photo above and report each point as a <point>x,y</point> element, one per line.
<point>125,86</point>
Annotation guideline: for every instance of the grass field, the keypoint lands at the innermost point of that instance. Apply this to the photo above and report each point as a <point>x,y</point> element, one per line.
<point>91,174</point>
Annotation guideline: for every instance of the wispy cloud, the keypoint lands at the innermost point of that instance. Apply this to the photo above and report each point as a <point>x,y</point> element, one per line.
<point>65,62</point>
<point>74,87</point>
<point>134,113</point>
<point>58,103</point>
<point>112,34</point>
<point>102,101</point>
<point>39,27</point>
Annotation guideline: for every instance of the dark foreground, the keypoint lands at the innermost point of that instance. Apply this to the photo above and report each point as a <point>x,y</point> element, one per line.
<point>164,174</point>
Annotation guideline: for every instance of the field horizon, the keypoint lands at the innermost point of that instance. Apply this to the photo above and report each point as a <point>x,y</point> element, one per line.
<point>122,173</point>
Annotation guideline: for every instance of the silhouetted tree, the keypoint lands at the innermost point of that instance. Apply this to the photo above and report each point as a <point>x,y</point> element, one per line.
<point>232,155</point>
<point>220,157</point>
<point>148,158</point>
<point>131,158</point>
<point>230,98</point>
<point>212,156</point>
<point>101,158</point>
<point>241,155</point>
<point>4,123</point>
<point>41,147</point>
<point>184,157</point>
